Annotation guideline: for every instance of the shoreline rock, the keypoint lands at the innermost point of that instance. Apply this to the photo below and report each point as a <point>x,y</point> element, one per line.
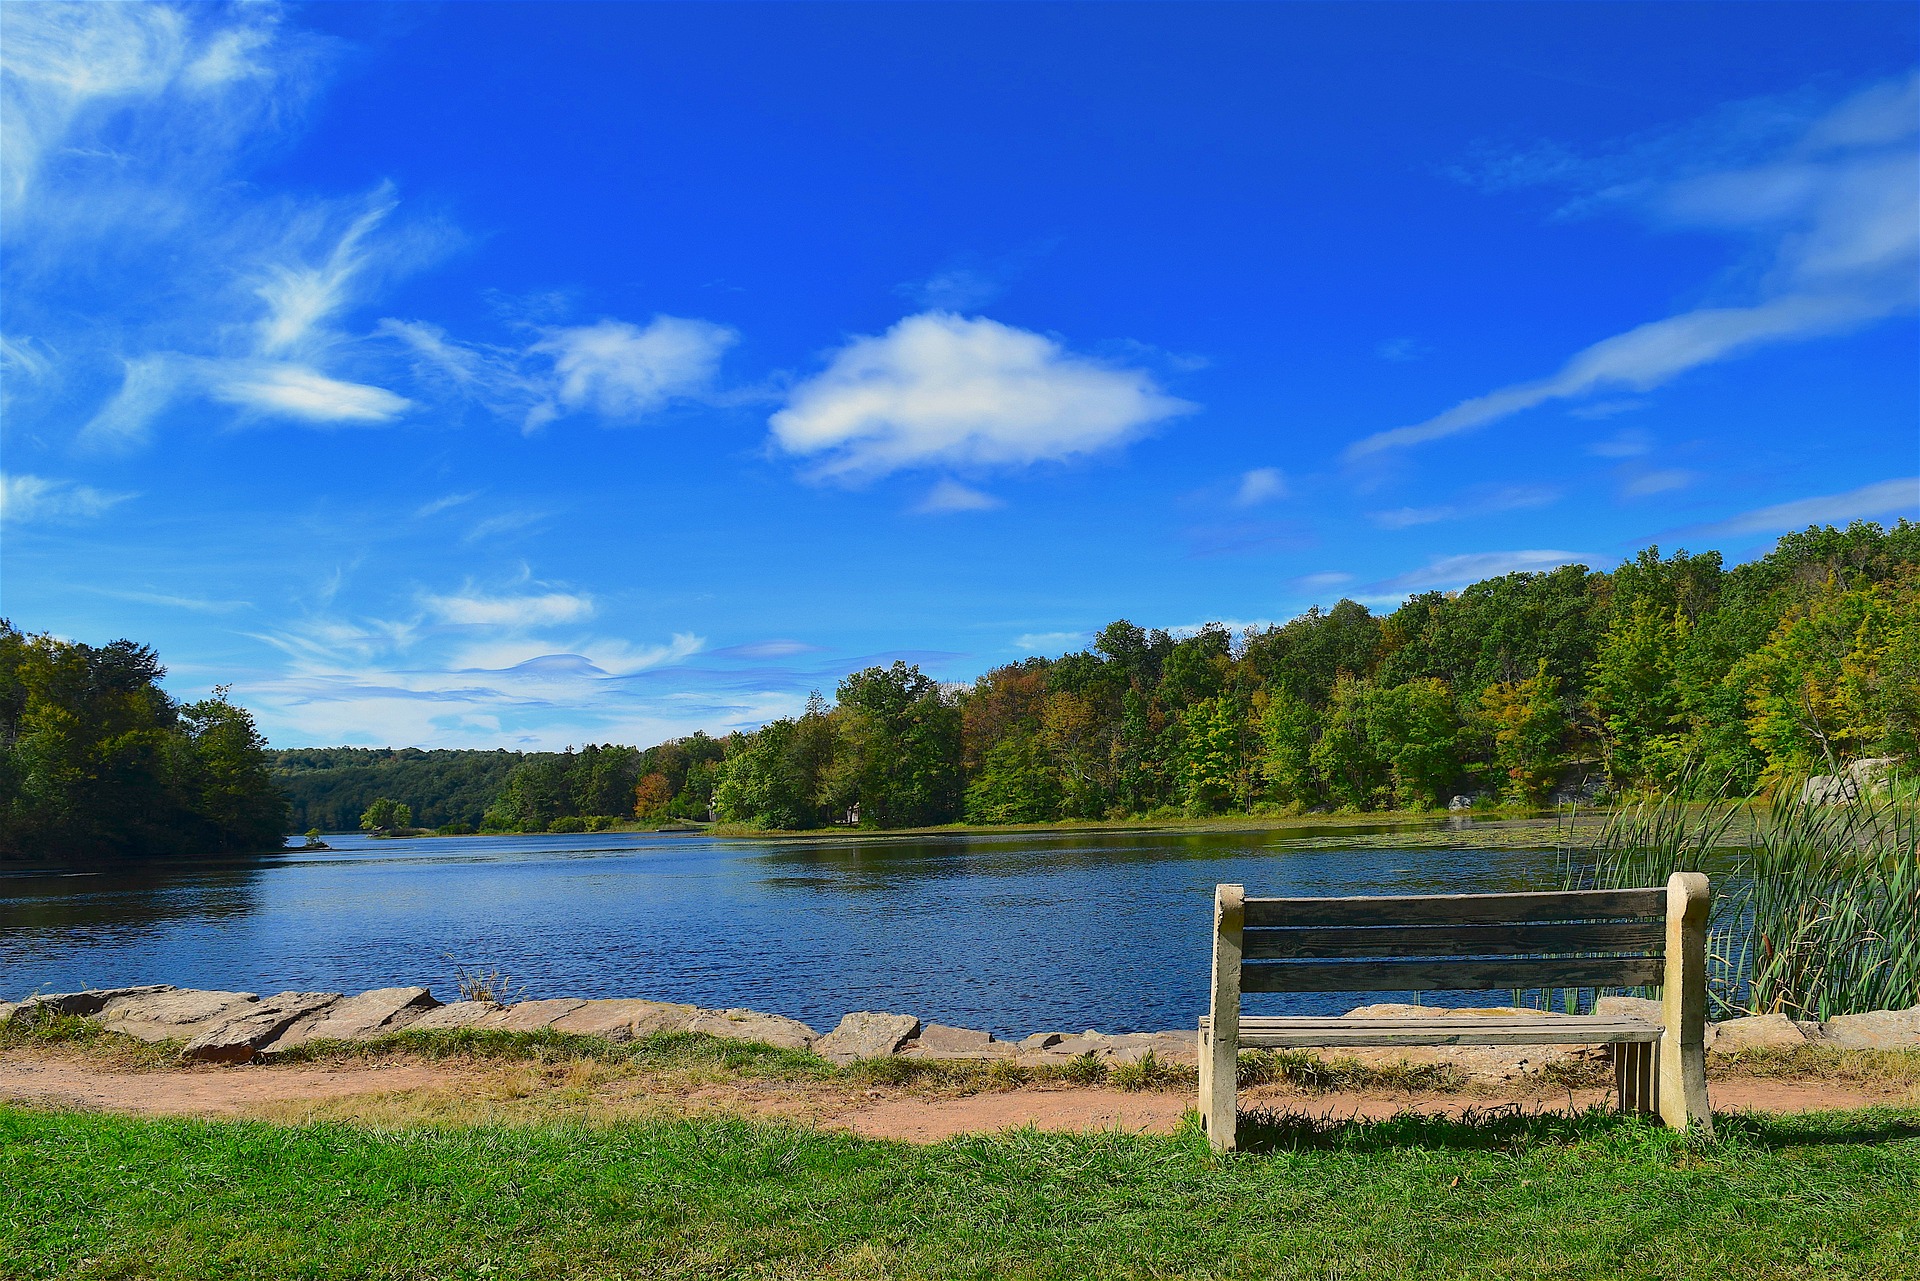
<point>235,1027</point>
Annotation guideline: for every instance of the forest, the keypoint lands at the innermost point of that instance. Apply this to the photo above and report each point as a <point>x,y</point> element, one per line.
<point>1669,673</point>
<point>97,761</point>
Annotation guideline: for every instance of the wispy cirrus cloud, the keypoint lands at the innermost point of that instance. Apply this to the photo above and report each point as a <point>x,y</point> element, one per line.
<point>1457,571</point>
<point>1827,200</point>
<point>943,390</point>
<point>27,499</point>
<point>950,496</point>
<point>1482,502</point>
<point>1261,485</point>
<point>1897,497</point>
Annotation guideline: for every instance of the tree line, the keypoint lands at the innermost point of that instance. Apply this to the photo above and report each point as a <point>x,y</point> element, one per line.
<point>1667,673</point>
<point>96,760</point>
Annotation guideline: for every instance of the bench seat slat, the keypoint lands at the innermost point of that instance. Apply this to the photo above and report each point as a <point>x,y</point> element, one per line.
<point>1305,1033</point>
<point>1449,976</point>
<point>1453,940</point>
<point>1458,909</point>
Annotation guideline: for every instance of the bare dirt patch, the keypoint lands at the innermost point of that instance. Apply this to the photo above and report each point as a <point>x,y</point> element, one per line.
<point>412,1091</point>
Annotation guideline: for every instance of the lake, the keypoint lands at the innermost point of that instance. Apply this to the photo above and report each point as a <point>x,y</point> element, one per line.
<point>1013,933</point>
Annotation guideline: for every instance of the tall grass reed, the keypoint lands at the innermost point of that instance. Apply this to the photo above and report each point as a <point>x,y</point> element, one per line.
<point>1817,909</point>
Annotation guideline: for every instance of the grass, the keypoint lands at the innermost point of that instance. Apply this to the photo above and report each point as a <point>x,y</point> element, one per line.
<point>1507,1195</point>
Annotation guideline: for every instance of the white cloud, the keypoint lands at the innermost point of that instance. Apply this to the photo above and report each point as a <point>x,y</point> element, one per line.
<point>1261,485</point>
<point>301,297</point>
<point>1458,571</point>
<point>446,503</point>
<point>147,386</point>
<point>951,496</point>
<point>941,389</point>
<point>198,604</point>
<point>623,371</point>
<point>1834,213</point>
<point>1322,581</point>
<point>1650,483</point>
<point>1883,498</point>
<point>27,499</point>
<point>510,611</point>
<point>1051,642</point>
<point>1625,444</point>
<point>294,392</point>
<point>1505,499</point>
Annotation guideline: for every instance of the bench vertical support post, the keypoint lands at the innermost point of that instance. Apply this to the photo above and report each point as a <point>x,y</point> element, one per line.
<point>1634,1073</point>
<point>1220,1051</point>
<point>1683,1044</point>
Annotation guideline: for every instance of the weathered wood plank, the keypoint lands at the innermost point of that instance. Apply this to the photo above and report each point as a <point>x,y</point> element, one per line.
<point>1457,909</point>
<point>1454,940</point>
<point>1274,1033</point>
<point>1448,976</point>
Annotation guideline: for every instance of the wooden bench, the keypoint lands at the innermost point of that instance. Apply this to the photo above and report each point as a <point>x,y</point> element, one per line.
<point>1467,942</point>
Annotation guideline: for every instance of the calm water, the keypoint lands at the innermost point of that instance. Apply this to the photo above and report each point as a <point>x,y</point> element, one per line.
<point>1012,933</point>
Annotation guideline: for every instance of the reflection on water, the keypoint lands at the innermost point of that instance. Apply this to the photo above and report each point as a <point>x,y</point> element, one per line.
<point>1014,932</point>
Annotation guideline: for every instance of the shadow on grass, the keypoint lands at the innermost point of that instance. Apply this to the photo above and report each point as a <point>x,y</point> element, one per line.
<point>1516,1129</point>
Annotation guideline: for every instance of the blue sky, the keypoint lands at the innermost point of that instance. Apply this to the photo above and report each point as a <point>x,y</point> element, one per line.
<point>525,375</point>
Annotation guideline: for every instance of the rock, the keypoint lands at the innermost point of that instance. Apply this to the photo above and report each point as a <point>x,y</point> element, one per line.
<point>866,1035</point>
<point>1829,789</point>
<point>1756,1032</point>
<point>357,1018</point>
<point>1042,1040</point>
<point>83,1004</point>
<point>454,1015</point>
<point>1462,802</point>
<point>6,1011</point>
<point>1879,1030</point>
<point>1630,1007</point>
<point>171,1014</point>
<point>938,1041</point>
<point>529,1016</point>
<point>1870,773</point>
<point>751,1025</point>
<point>239,1036</point>
<point>626,1019</point>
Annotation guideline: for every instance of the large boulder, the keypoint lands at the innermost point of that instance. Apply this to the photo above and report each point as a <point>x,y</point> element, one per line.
<point>938,1041</point>
<point>239,1036</point>
<point>626,1019</point>
<point>357,1018</point>
<point>530,1016</point>
<point>81,1004</point>
<point>1755,1032</point>
<point>1879,1030</point>
<point>751,1025</point>
<point>171,1014</point>
<point>455,1014</point>
<point>866,1035</point>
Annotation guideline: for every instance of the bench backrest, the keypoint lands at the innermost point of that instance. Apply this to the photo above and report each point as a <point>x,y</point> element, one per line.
<point>1448,942</point>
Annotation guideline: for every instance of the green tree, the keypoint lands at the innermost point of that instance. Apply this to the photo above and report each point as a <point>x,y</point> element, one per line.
<point>386,815</point>
<point>1351,762</point>
<point>1524,727</point>
<point>1212,756</point>
<point>1635,692</point>
<point>1014,783</point>
<point>1287,730</point>
<point>1418,728</point>
<point>900,749</point>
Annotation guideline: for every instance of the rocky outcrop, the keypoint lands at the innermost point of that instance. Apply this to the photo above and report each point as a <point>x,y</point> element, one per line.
<point>1755,1032</point>
<point>866,1035</point>
<point>240,1035</point>
<point>938,1041</point>
<point>625,1019</point>
<point>358,1018</point>
<point>238,1026</point>
<point>1880,1030</point>
<point>455,1015</point>
<point>751,1025</point>
<point>170,1014</point>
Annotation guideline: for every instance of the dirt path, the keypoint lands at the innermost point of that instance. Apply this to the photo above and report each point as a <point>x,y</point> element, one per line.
<point>893,1114</point>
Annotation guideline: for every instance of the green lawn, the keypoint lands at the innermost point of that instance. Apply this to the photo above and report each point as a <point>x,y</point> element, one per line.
<point>1825,1196</point>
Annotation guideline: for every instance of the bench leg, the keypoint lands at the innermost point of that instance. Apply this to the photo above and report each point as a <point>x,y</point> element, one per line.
<point>1683,1048</point>
<point>1220,1045</point>
<point>1634,1073</point>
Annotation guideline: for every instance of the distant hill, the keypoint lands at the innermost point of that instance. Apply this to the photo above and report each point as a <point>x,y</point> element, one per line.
<point>330,787</point>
